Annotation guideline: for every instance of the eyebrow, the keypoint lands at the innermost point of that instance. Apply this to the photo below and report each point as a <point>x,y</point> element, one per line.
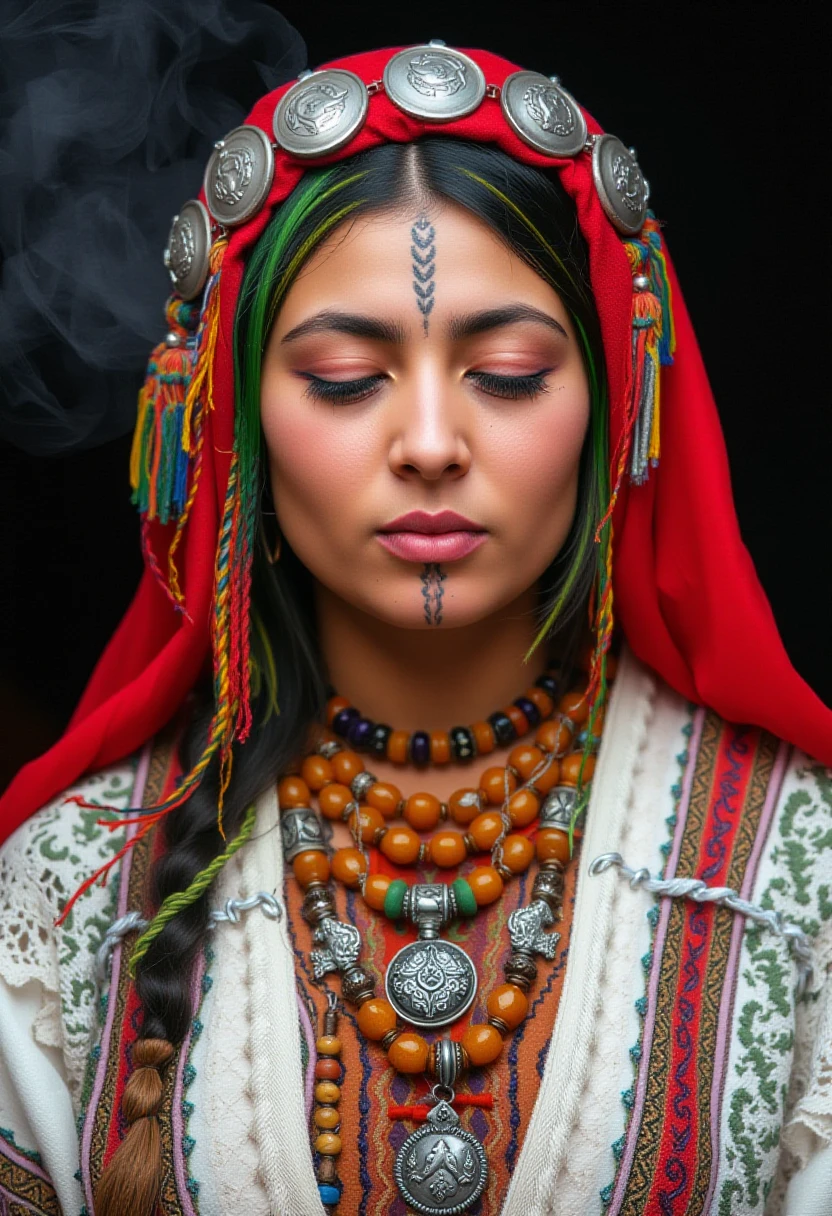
<point>358,325</point>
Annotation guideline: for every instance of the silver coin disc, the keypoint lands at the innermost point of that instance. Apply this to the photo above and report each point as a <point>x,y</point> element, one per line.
<point>431,982</point>
<point>239,175</point>
<point>188,249</point>
<point>321,112</point>
<point>543,114</point>
<point>620,183</point>
<point>434,82</point>
<point>441,1169</point>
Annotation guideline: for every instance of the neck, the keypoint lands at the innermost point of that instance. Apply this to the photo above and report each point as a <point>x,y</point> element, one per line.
<point>428,679</point>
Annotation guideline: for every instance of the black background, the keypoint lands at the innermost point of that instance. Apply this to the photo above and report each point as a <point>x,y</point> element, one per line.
<point>727,107</point>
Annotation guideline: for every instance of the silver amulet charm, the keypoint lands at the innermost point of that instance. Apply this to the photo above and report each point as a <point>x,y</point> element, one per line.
<point>441,1168</point>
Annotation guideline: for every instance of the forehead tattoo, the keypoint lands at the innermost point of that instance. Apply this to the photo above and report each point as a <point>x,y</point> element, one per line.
<point>423,252</point>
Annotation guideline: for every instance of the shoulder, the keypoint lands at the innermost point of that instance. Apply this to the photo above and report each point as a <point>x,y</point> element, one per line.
<point>47,859</point>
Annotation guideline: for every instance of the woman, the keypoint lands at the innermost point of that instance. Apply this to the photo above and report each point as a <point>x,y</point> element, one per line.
<point>404,439</point>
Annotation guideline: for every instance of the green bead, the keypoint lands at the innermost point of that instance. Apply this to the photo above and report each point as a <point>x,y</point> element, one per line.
<point>394,899</point>
<point>465,900</point>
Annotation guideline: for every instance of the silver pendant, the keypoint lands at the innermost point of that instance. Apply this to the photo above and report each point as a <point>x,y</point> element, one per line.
<point>543,114</point>
<point>622,188</point>
<point>321,112</point>
<point>441,1168</point>
<point>434,82</point>
<point>239,175</point>
<point>430,983</point>
<point>189,246</point>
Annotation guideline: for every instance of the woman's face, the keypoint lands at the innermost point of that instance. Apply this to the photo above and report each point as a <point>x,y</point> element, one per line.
<point>424,404</point>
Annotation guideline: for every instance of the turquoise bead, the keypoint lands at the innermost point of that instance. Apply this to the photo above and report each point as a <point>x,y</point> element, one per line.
<point>394,899</point>
<point>329,1194</point>
<point>465,901</point>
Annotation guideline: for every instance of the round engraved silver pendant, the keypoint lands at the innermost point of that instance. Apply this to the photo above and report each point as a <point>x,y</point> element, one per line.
<point>188,249</point>
<point>543,114</point>
<point>441,1168</point>
<point>239,175</point>
<point>321,112</point>
<point>434,82</point>
<point>431,983</point>
<point>620,183</point>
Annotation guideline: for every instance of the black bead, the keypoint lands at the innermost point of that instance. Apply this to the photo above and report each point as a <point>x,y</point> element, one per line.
<point>377,743</point>
<point>528,708</point>
<point>420,747</point>
<point>503,726</point>
<point>549,685</point>
<point>463,744</point>
<point>343,720</point>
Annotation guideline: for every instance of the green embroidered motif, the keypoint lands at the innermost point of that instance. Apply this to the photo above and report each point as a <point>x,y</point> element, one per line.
<point>765,1020</point>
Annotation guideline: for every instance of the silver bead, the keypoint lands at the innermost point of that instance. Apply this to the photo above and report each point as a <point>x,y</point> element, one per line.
<point>301,831</point>
<point>447,1062</point>
<point>361,783</point>
<point>641,282</point>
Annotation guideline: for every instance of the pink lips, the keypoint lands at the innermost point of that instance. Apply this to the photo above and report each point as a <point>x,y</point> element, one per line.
<point>420,537</point>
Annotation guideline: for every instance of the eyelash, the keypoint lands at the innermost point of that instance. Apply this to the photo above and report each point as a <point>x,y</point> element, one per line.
<point>509,388</point>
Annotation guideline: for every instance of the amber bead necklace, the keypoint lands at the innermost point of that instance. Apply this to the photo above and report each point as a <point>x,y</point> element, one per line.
<point>539,785</point>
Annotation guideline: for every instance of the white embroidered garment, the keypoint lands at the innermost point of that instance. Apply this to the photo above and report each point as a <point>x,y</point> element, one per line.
<point>249,1125</point>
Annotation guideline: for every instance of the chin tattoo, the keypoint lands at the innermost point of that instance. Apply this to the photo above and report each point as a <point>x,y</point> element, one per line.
<point>433,592</point>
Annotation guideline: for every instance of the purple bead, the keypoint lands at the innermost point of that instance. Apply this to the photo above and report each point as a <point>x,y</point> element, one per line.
<point>341,721</point>
<point>359,733</point>
<point>529,709</point>
<point>420,747</point>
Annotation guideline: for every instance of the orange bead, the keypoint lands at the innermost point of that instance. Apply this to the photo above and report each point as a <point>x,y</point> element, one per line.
<point>493,784</point>
<point>508,1003</point>
<point>327,1091</point>
<point>465,804</point>
<point>334,800</point>
<point>310,867</point>
<point>447,849</point>
<point>348,865</point>
<point>375,891</point>
<point>541,699</point>
<point>554,736</point>
<point>486,828</point>
<point>408,1053</point>
<point>328,1045</point>
<point>334,706</point>
<point>326,1118</point>
<point>518,718</point>
<point>400,845</point>
<point>346,766</point>
<point>552,845</point>
<point>375,1018</point>
<point>523,808</point>
<point>570,768</point>
<point>440,747</point>
<point>317,772</point>
<point>293,791</point>
<point>575,706</point>
<point>398,745</point>
<point>366,821</point>
<point>422,811</point>
<point>385,798</point>
<point>328,1144</point>
<point>525,758</point>
<point>484,737</point>
<point>518,852</point>
<point>486,884</point>
<point>548,778</point>
<point>328,1070</point>
<point>483,1044</point>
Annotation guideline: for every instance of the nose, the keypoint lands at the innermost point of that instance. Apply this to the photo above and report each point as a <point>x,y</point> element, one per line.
<point>429,441</point>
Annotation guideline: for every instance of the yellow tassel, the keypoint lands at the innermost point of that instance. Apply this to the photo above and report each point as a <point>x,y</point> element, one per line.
<point>136,451</point>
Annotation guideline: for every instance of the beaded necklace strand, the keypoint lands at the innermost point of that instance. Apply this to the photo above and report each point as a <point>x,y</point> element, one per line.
<point>430,982</point>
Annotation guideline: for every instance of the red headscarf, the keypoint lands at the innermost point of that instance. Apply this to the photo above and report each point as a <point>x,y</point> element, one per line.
<point>686,593</point>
